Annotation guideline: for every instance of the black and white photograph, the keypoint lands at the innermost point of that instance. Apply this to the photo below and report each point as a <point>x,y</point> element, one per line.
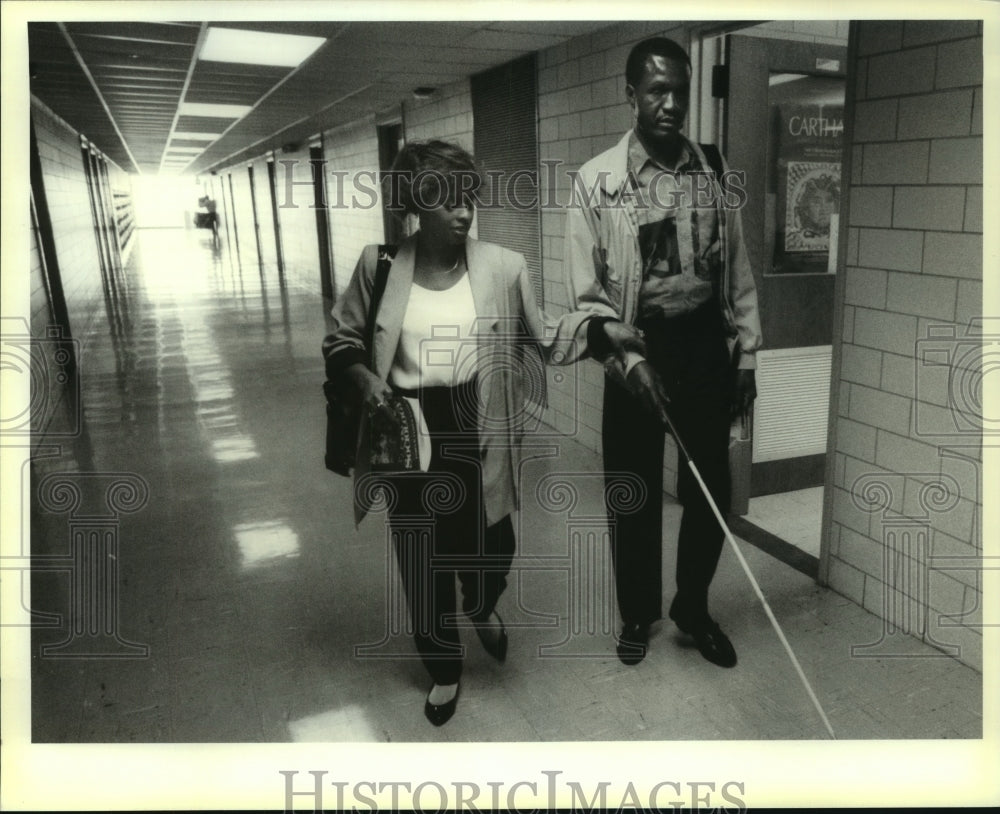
<point>487,407</point>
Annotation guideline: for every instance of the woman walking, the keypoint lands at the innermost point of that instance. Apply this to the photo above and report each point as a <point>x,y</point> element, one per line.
<point>458,330</point>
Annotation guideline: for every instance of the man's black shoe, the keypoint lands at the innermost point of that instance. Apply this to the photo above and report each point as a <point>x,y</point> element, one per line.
<point>711,642</point>
<point>632,643</point>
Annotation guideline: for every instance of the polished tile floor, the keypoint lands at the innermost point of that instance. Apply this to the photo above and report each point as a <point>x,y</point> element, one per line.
<point>795,517</point>
<point>239,604</point>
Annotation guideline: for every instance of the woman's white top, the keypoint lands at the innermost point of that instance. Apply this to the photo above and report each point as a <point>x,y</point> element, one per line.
<point>437,343</point>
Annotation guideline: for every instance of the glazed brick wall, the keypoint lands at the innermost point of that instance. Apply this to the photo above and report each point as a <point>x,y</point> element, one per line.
<point>299,238</point>
<point>353,150</point>
<point>40,309</point>
<point>354,214</point>
<point>446,116</point>
<point>241,218</point>
<point>76,256</point>
<point>913,285</point>
<point>40,324</point>
<point>265,215</point>
<point>247,208</point>
<point>832,32</point>
<point>72,222</point>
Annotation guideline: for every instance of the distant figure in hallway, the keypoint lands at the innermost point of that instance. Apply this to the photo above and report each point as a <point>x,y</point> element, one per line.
<point>209,219</point>
<point>648,250</point>
<point>458,330</point>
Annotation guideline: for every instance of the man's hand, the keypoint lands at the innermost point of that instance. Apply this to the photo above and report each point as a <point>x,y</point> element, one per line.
<point>646,386</point>
<point>624,338</point>
<point>744,393</point>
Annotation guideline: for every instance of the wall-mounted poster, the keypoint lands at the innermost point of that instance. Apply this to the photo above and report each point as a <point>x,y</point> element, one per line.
<point>812,196</point>
<point>806,138</point>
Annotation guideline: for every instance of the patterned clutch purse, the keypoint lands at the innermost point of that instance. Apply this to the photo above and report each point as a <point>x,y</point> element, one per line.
<point>392,436</point>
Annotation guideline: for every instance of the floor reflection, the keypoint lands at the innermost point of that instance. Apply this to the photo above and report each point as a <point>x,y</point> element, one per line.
<point>348,724</point>
<point>261,543</point>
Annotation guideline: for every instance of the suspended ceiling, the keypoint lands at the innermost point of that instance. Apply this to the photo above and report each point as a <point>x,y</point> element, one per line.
<point>123,84</point>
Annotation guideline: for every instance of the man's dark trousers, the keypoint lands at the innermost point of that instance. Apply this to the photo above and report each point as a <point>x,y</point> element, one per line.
<point>690,354</point>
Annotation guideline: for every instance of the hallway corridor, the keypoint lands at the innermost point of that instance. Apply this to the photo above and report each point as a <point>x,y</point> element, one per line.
<point>250,610</point>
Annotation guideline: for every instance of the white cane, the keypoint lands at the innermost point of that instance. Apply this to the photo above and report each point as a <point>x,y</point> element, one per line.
<point>750,576</point>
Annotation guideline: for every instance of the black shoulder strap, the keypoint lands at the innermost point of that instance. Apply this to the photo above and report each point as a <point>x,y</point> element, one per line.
<point>386,253</point>
<point>714,158</point>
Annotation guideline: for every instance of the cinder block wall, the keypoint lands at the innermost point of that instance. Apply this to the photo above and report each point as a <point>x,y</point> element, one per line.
<point>77,258</point>
<point>356,216</point>
<point>39,307</point>
<point>265,215</point>
<point>446,116</point>
<point>906,464</point>
<point>240,215</point>
<point>299,238</point>
<point>72,221</point>
<point>43,355</point>
<point>833,32</point>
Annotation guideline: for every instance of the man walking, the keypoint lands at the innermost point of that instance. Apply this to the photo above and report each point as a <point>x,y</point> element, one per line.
<point>654,253</point>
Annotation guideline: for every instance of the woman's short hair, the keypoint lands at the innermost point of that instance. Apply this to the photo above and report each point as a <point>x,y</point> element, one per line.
<point>429,174</point>
<point>635,66</point>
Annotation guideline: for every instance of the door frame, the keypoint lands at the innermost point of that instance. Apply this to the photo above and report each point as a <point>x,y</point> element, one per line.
<point>706,55</point>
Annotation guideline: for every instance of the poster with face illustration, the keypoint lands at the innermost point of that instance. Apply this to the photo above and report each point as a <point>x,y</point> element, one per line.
<point>812,197</point>
<point>806,139</point>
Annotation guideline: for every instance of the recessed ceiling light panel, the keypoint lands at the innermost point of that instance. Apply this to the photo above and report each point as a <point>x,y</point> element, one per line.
<point>214,111</point>
<point>257,47</point>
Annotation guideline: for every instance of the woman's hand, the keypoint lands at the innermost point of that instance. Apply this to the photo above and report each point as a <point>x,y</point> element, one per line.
<point>371,391</point>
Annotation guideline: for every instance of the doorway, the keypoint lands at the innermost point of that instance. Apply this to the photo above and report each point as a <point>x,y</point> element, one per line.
<point>783,87</point>
<point>390,142</point>
<point>275,219</point>
<point>256,220</point>
<point>232,214</point>
<point>317,160</point>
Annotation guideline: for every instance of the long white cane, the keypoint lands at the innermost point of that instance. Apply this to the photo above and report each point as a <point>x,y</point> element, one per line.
<point>750,576</point>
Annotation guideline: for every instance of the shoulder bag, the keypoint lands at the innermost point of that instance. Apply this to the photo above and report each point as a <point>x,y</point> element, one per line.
<point>343,416</point>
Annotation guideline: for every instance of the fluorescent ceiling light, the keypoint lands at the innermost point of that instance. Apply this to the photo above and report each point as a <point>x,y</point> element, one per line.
<point>196,136</point>
<point>214,111</point>
<point>185,150</point>
<point>257,47</point>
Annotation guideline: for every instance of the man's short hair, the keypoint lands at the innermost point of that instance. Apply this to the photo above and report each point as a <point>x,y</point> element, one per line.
<point>635,66</point>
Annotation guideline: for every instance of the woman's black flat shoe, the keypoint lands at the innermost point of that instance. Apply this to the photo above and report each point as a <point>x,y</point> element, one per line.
<point>496,647</point>
<point>440,714</point>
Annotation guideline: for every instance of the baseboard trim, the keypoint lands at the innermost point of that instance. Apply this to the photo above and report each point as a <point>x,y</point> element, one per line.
<point>769,543</point>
